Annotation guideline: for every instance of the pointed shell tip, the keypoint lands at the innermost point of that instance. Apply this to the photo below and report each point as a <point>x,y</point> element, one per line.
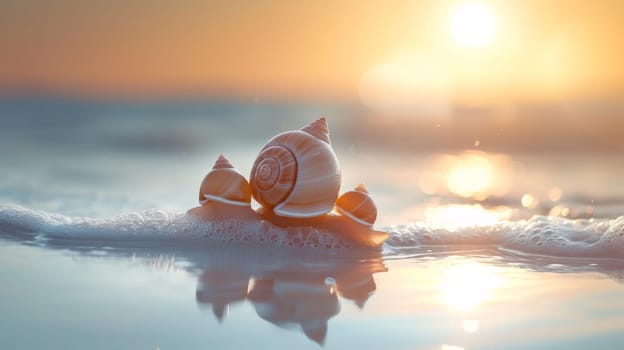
<point>319,129</point>
<point>223,163</point>
<point>361,188</point>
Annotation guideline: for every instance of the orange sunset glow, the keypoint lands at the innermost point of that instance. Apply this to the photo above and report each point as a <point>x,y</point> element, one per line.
<point>482,50</point>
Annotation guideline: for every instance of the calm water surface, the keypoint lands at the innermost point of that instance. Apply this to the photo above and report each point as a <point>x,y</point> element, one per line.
<point>234,297</point>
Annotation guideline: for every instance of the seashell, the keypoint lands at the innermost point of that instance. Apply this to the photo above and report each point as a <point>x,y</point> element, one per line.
<point>224,184</point>
<point>358,206</point>
<point>296,174</point>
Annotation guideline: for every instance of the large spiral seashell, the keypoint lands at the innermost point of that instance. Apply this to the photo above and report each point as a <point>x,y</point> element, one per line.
<point>358,206</point>
<point>224,184</point>
<point>296,174</point>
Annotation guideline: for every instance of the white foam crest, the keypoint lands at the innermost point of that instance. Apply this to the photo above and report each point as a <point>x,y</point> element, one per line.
<point>151,223</point>
<point>543,235</point>
<point>156,224</point>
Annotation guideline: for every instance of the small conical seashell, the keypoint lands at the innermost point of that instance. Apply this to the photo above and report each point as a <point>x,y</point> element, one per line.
<point>319,129</point>
<point>358,206</point>
<point>224,184</point>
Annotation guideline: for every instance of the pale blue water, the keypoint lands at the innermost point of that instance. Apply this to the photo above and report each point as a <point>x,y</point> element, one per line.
<point>95,251</point>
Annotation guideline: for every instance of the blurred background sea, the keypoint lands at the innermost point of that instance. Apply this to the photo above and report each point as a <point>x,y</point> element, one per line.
<point>98,158</point>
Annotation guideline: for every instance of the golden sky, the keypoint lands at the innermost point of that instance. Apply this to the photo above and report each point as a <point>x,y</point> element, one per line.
<point>327,49</point>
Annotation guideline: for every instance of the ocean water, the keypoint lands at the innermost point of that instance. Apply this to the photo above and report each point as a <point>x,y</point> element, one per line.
<point>490,247</point>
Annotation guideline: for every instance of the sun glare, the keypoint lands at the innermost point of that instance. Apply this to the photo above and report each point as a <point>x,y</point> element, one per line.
<point>465,286</point>
<point>472,176</point>
<point>457,216</point>
<point>473,25</point>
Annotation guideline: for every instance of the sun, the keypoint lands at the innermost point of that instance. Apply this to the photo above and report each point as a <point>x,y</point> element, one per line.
<point>473,25</point>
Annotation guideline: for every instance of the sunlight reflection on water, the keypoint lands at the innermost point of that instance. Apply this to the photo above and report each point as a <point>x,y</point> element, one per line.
<point>470,300</point>
<point>467,285</point>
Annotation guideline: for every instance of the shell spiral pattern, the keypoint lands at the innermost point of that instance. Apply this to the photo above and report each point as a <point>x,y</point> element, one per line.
<point>274,175</point>
<point>297,174</point>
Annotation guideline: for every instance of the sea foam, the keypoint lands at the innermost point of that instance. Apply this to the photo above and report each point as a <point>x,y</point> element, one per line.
<point>543,235</point>
<point>158,225</point>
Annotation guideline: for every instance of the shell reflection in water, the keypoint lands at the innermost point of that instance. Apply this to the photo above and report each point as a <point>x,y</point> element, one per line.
<point>291,292</point>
